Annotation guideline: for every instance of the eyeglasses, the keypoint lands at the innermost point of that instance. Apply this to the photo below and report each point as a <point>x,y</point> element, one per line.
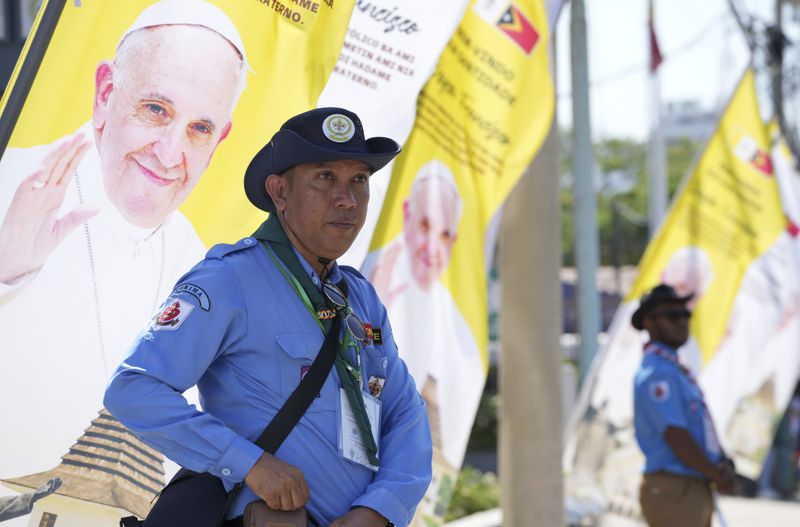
<point>673,315</point>
<point>351,320</point>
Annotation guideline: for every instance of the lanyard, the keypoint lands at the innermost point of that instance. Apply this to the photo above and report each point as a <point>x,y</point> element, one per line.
<point>345,344</point>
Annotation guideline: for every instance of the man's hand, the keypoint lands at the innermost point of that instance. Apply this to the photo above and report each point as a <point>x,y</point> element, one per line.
<point>278,483</point>
<point>360,517</point>
<point>30,232</point>
<point>725,479</point>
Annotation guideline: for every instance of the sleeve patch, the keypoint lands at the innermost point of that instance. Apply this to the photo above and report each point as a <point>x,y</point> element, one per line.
<point>659,391</point>
<point>197,292</point>
<point>172,316</point>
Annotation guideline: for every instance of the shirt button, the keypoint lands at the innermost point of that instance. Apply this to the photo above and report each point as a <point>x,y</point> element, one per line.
<point>315,280</point>
<point>226,471</point>
<point>247,241</point>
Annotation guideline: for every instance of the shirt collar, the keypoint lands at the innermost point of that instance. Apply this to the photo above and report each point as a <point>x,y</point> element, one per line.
<point>662,346</point>
<point>272,231</point>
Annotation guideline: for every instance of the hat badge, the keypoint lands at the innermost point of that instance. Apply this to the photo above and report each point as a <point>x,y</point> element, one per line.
<point>338,128</point>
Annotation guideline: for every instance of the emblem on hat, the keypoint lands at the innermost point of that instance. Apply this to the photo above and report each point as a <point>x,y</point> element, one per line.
<point>338,128</point>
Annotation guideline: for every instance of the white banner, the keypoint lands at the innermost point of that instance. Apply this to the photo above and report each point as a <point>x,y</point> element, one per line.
<point>390,51</point>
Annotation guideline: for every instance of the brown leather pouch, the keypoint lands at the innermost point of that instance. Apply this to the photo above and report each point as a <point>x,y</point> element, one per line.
<point>257,514</point>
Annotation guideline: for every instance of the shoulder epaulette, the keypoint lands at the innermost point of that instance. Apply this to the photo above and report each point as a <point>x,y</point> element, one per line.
<point>223,249</point>
<point>352,271</point>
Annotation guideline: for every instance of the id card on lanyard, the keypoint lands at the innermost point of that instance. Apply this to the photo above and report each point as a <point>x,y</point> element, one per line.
<point>351,445</point>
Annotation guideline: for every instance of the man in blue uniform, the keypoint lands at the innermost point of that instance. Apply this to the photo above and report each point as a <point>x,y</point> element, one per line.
<point>244,326</point>
<point>673,426</point>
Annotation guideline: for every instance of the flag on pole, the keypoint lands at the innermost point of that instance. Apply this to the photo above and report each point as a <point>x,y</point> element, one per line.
<point>655,51</point>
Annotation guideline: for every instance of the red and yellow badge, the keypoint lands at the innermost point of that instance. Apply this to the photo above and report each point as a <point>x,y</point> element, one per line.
<point>659,391</point>
<point>173,314</point>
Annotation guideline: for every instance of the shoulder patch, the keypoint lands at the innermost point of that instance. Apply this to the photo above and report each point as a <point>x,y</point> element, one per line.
<point>659,391</point>
<point>223,249</point>
<point>173,314</point>
<point>197,292</point>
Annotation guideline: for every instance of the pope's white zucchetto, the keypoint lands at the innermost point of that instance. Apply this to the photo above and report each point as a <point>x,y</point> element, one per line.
<point>189,13</point>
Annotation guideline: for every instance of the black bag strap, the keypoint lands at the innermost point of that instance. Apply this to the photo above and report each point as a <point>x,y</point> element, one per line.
<point>305,393</point>
<point>301,398</point>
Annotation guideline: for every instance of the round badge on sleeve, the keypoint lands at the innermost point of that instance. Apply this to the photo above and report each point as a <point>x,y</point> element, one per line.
<point>338,128</point>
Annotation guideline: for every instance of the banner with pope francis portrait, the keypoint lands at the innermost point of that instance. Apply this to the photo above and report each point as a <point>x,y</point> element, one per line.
<point>731,240</point>
<point>480,119</point>
<point>125,163</point>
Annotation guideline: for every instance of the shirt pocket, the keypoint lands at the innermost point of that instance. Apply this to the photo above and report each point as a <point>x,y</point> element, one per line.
<point>296,355</point>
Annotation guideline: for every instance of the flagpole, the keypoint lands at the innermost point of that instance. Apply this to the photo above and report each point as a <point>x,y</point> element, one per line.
<point>656,148</point>
<point>27,67</point>
<point>585,208</point>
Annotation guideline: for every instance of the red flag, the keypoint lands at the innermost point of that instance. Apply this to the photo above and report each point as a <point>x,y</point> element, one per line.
<point>655,53</point>
<point>517,26</point>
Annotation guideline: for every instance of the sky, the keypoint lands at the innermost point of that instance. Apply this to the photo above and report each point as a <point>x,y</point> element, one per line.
<point>704,56</point>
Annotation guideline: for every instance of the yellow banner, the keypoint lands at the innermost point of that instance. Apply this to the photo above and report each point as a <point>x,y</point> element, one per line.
<point>726,216</point>
<point>727,241</point>
<point>126,163</point>
<point>291,46</point>
<point>480,119</point>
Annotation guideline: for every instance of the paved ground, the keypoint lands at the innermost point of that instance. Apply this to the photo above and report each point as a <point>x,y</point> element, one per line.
<point>738,512</point>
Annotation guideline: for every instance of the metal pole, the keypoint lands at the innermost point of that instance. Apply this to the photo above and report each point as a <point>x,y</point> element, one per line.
<point>26,69</point>
<point>530,445</point>
<point>656,161</point>
<point>585,207</point>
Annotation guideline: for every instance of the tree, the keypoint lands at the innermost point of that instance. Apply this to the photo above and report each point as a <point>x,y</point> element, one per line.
<point>621,184</point>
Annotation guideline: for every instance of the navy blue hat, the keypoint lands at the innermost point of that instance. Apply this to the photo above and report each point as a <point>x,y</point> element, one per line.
<point>660,294</point>
<point>315,136</point>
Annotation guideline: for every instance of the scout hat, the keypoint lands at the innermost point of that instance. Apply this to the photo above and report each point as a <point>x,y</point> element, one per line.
<point>660,294</point>
<point>315,136</point>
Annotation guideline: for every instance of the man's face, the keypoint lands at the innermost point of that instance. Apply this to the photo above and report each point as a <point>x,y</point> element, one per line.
<point>157,130</point>
<point>669,323</point>
<point>323,205</point>
<point>429,230</point>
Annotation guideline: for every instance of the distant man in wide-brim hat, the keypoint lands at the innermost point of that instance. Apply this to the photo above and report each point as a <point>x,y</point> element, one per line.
<point>247,322</point>
<point>674,429</point>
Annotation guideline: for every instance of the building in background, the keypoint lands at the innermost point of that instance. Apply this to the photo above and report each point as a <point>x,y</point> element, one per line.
<point>688,120</point>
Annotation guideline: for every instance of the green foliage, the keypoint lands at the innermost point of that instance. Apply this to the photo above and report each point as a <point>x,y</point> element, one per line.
<point>629,158</point>
<point>475,491</point>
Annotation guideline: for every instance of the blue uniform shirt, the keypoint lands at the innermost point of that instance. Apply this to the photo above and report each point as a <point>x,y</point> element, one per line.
<point>664,395</point>
<point>235,327</point>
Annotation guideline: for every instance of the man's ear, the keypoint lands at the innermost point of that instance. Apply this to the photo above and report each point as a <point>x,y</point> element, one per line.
<point>276,186</point>
<point>103,86</point>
